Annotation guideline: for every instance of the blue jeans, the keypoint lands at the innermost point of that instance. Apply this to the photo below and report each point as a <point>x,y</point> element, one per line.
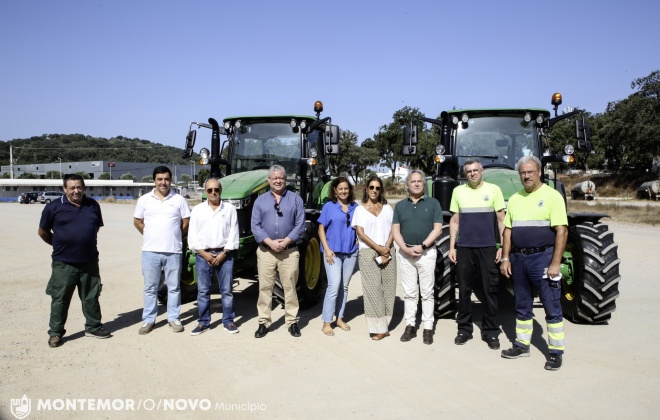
<point>225,274</point>
<point>339,275</point>
<point>153,263</point>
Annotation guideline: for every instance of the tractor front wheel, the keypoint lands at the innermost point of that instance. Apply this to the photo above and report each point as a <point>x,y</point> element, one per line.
<point>445,286</point>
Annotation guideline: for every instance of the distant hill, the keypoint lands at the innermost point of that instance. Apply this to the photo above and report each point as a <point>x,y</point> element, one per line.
<point>78,147</point>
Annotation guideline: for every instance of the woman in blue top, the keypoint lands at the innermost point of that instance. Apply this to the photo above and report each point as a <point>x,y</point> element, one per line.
<point>339,248</point>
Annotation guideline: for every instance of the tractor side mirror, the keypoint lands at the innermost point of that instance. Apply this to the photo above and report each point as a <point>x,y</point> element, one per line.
<point>583,135</point>
<point>409,141</point>
<point>331,140</point>
<point>190,143</point>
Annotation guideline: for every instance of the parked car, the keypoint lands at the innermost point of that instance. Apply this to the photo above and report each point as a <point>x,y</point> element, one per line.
<point>28,198</point>
<point>46,197</point>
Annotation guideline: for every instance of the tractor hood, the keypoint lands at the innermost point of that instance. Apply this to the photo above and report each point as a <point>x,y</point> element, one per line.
<point>507,179</point>
<point>243,184</point>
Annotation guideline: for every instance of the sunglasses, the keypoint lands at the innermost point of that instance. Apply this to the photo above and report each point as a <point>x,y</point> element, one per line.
<point>278,210</point>
<point>212,190</point>
<point>348,220</point>
<point>374,187</point>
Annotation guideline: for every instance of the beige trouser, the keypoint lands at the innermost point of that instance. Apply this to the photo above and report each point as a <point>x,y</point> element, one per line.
<point>270,263</point>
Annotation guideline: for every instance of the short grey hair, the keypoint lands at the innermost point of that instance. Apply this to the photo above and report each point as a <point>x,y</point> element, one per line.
<point>214,179</point>
<point>470,161</point>
<point>530,158</point>
<point>420,172</point>
<point>276,168</point>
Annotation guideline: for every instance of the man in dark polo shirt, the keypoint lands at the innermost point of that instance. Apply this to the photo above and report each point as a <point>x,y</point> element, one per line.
<point>416,225</point>
<point>70,224</point>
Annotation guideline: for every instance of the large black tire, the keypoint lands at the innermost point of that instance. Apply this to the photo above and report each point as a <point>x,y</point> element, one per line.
<point>312,279</point>
<point>445,283</point>
<point>592,296</point>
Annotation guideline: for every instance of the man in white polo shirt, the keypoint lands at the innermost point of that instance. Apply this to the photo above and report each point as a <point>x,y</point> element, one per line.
<point>162,217</point>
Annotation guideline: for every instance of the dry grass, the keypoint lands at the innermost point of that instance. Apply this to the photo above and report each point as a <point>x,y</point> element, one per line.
<point>633,211</point>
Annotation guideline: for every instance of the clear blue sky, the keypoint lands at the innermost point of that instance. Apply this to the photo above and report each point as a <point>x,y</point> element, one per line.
<point>147,69</point>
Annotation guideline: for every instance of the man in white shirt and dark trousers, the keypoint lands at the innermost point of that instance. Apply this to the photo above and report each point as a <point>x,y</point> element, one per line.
<point>213,236</point>
<point>161,216</point>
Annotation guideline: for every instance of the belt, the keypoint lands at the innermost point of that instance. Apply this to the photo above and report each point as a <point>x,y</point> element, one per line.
<point>528,251</point>
<point>291,245</point>
<point>410,246</point>
<point>214,249</point>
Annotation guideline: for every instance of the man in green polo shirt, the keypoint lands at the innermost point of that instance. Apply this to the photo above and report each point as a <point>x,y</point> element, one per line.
<point>416,225</point>
<point>475,228</point>
<point>535,236</point>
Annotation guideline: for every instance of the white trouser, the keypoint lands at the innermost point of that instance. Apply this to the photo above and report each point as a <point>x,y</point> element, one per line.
<point>410,270</point>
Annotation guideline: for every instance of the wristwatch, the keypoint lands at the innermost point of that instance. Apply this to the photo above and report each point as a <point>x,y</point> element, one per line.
<point>424,247</point>
<point>504,259</point>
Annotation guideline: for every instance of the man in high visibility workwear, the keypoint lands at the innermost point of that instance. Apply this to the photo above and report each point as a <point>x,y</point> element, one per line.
<point>535,233</point>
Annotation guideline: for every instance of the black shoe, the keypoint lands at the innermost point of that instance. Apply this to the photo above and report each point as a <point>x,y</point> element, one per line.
<point>100,333</point>
<point>261,331</point>
<point>515,352</point>
<point>462,338</point>
<point>428,336</point>
<point>409,333</point>
<point>554,362</point>
<point>493,343</point>
<point>294,330</point>
<point>55,341</point>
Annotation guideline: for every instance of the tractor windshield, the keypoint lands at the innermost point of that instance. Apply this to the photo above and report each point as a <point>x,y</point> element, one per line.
<point>258,146</point>
<point>497,141</point>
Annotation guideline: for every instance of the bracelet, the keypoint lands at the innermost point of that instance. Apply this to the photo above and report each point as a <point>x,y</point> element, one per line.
<point>504,259</point>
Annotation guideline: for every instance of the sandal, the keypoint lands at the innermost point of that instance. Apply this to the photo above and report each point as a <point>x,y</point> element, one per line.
<point>380,336</point>
<point>341,324</point>
<point>327,329</point>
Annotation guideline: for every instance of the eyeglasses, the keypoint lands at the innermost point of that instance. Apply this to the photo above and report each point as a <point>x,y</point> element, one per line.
<point>212,190</point>
<point>278,210</point>
<point>373,187</point>
<point>348,220</point>
<point>527,173</point>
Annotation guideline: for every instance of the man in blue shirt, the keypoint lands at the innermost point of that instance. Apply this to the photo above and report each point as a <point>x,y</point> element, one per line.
<point>278,222</point>
<point>70,225</point>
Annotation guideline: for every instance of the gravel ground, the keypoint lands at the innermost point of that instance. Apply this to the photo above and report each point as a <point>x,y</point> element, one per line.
<point>609,370</point>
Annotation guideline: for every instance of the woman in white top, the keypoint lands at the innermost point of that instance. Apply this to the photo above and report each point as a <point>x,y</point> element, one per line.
<point>373,224</point>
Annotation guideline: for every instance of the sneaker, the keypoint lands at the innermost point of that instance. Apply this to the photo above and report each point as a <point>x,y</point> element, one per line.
<point>200,329</point>
<point>515,352</point>
<point>554,362</point>
<point>54,341</point>
<point>231,328</point>
<point>100,333</point>
<point>493,343</point>
<point>176,325</point>
<point>462,338</point>
<point>146,328</point>
<point>409,333</point>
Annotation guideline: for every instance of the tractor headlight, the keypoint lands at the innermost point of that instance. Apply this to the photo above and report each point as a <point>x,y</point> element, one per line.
<point>227,125</point>
<point>569,149</point>
<point>303,124</point>
<point>528,117</point>
<point>311,162</point>
<point>439,149</point>
<point>293,123</point>
<point>465,118</point>
<point>439,158</point>
<point>237,124</point>
<point>539,119</point>
<point>204,153</point>
<point>454,119</point>
<point>313,152</point>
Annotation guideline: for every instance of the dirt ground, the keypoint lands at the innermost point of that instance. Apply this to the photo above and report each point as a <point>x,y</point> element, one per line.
<point>609,371</point>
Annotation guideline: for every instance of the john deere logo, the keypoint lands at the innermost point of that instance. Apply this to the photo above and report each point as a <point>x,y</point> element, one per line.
<point>21,407</point>
<point>541,202</point>
<point>486,197</point>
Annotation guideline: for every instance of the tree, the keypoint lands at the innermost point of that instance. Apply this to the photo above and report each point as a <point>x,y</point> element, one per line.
<point>28,175</point>
<point>5,175</point>
<point>184,179</point>
<point>147,178</point>
<point>53,175</point>
<point>105,175</point>
<point>204,174</point>
<point>128,176</point>
<point>352,158</point>
<point>631,126</point>
<point>84,174</point>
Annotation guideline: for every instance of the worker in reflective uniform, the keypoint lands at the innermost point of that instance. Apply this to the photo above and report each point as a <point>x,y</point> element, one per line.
<point>535,236</point>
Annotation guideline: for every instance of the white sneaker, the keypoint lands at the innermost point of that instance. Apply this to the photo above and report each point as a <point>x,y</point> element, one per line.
<point>176,326</point>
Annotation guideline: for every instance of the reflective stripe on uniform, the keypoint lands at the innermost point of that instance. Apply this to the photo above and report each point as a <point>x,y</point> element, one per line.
<point>530,223</point>
<point>556,336</point>
<point>524,331</point>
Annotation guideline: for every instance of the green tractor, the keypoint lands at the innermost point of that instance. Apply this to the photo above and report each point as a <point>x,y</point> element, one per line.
<point>499,138</point>
<point>302,145</point>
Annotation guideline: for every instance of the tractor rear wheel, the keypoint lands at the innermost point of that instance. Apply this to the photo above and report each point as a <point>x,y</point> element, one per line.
<point>591,298</point>
<point>445,285</point>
